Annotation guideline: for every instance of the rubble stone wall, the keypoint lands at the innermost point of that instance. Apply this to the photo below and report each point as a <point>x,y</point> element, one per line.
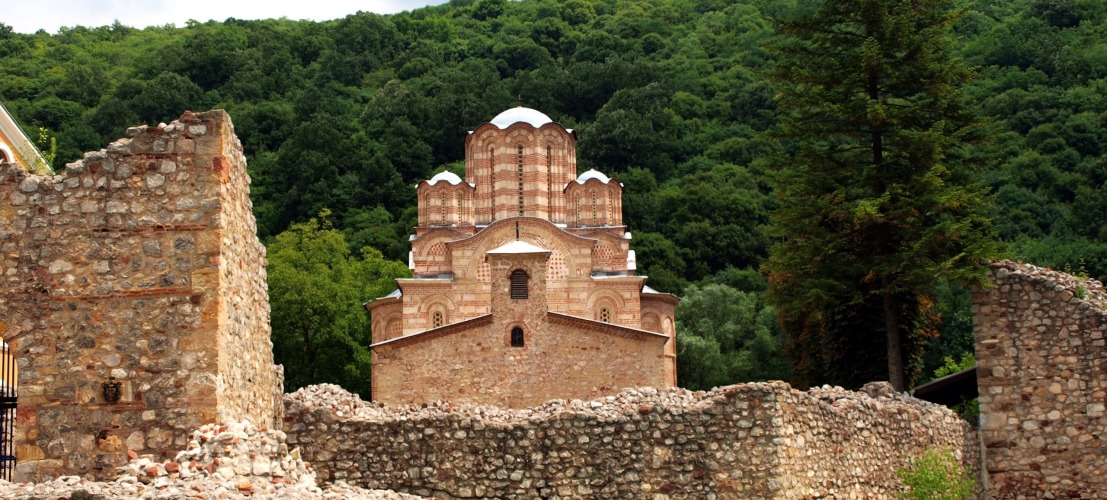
<point>1042,373</point>
<point>138,265</point>
<point>763,440</point>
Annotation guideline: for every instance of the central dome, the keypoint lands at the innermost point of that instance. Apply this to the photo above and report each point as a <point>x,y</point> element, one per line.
<point>520,114</point>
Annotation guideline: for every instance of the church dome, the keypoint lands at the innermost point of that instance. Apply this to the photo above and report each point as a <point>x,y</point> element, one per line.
<point>520,114</point>
<point>593,174</point>
<point>447,176</point>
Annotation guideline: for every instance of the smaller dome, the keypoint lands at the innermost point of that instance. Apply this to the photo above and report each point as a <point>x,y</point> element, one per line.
<point>520,114</point>
<point>593,174</point>
<point>447,176</point>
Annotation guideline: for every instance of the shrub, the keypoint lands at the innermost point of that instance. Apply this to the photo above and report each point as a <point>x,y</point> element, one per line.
<point>936,475</point>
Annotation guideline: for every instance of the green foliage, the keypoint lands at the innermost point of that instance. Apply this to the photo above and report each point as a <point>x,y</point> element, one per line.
<point>951,366</point>
<point>316,289</point>
<point>968,409</point>
<point>955,333</point>
<point>725,336</point>
<point>879,196</point>
<point>937,475</point>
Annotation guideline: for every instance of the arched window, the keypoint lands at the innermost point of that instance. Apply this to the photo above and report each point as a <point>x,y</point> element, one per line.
<point>519,280</point>
<point>436,319</point>
<point>605,315</point>
<point>517,337</point>
<point>520,179</point>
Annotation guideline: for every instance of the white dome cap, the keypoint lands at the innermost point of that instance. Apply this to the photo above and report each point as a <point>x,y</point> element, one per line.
<point>593,174</point>
<point>520,114</point>
<point>447,176</point>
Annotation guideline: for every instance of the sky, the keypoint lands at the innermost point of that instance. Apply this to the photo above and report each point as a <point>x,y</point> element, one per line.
<point>29,16</point>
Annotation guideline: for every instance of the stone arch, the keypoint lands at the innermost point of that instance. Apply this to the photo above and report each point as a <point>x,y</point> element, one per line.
<point>605,298</point>
<point>651,321</point>
<point>440,304</point>
<point>6,155</point>
<point>519,136</point>
<point>393,328</point>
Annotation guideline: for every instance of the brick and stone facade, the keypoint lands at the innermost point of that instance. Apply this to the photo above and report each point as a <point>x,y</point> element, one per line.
<point>137,268</point>
<point>1041,348</point>
<point>590,325</point>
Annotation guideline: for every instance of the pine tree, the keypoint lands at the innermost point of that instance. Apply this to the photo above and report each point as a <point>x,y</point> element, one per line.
<point>878,197</point>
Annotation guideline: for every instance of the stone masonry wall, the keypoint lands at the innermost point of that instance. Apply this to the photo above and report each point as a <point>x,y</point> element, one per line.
<point>138,265</point>
<point>1042,373</point>
<point>763,440</point>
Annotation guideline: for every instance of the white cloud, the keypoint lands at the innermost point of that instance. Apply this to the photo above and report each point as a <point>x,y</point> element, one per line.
<point>30,16</point>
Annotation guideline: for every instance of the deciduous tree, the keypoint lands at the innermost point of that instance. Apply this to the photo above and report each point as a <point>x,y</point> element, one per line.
<point>317,287</point>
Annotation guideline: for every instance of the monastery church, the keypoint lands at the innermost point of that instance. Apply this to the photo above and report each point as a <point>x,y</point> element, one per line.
<point>524,285</point>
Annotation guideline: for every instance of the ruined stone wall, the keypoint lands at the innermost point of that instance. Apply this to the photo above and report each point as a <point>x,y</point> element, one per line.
<point>137,265</point>
<point>762,440</point>
<point>1042,373</point>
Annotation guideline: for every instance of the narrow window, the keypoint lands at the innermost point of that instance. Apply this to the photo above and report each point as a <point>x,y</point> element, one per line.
<point>442,208</point>
<point>519,284</point>
<point>459,209</point>
<point>605,315</point>
<point>489,185</point>
<point>437,319</point>
<point>516,337</point>
<point>595,218</point>
<point>549,183</point>
<point>520,180</point>
<point>580,209</point>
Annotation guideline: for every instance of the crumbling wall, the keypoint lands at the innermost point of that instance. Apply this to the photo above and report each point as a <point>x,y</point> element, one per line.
<point>1042,373</point>
<point>137,266</point>
<point>763,440</point>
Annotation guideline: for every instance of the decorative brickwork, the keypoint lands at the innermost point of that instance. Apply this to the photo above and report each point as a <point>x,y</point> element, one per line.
<point>135,275</point>
<point>1042,372</point>
<point>747,441</point>
<point>520,185</point>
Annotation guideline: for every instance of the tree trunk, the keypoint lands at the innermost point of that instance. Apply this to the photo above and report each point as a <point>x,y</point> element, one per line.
<point>895,346</point>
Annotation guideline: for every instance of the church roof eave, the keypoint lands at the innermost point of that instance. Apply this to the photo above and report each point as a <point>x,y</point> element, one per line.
<point>605,328</point>
<point>434,332</point>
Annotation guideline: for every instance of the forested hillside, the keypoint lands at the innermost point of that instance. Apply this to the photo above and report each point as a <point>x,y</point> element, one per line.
<point>342,118</point>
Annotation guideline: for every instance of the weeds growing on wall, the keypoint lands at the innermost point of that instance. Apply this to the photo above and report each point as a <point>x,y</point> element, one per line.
<point>936,475</point>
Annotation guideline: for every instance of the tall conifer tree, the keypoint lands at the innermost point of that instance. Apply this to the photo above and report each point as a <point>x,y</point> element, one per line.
<point>878,198</point>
